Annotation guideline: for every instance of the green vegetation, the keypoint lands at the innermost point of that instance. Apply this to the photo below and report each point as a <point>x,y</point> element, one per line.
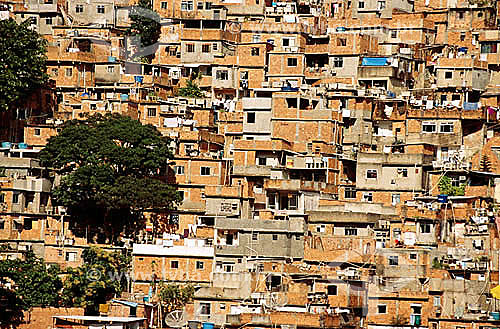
<point>445,187</point>
<point>146,25</point>
<point>33,284</point>
<point>22,62</point>
<point>173,297</point>
<point>191,90</point>
<point>114,169</point>
<point>102,276</point>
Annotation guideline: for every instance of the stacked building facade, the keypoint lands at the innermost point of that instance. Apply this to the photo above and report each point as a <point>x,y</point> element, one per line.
<point>309,169</point>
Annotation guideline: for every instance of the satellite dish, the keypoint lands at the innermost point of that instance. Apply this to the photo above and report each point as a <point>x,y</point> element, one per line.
<point>276,299</point>
<point>176,319</point>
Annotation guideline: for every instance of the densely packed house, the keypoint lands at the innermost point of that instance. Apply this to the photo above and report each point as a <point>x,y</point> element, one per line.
<point>309,168</point>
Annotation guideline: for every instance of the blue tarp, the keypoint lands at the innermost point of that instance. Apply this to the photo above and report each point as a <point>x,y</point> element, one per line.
<point>375,61</point>
<point>471,106</point>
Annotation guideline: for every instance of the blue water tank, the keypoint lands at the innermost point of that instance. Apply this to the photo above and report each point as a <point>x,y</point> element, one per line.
<point>208,325</point>
<point>22,145</point>
<point>6,145</point>
<point>495,315</point>
<point>442,198</point>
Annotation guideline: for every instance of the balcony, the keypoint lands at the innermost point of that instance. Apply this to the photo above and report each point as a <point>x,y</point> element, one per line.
<point>298,185</point>
<point>302,320</point>
<point>254,171</point>
<point>257,103</point>
<point>365,72</point>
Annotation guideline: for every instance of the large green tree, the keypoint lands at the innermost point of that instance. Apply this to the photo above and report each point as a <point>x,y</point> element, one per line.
<point>145,24</point>
<point>102,276</point>
<point>114,168</point>
<point>22,62</point>
<point>33,284</point>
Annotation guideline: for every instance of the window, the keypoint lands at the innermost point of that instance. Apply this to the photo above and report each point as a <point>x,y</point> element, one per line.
<point>255,236</point>
<point>251,117</point>
<point>2,198</point>
<point>371,173</point>
<point>100,9</point>
<point>446,127</point>
<point>321,228</point>
<point>208,5</point>
<point>37,132</point>
<point>361,4</point>
<point>448,75</point>
<point>205,48</point>
<point>428,127</point>
<point>79,9</point>
<point>293,201</point>
<point>425,228</point>
<point>255,51</point>
<point>460,15</point>
<point>275,237</point>
<point>15,197</point>
<point>179,170</point>
<point>151,112</point>
<point>164,5</point>
<point>28,224</point>
<point>174,264</point>
<point>350,193</point>
<point>368,197</point>
<point>190,47</point>
<point>256,38</point>
<point>222,75</point>
<point>332,290</point>
<point>393,260</point>
<point>292,62</point>
<point>437,300</point>
<point>2,224</point>
<point>380,5</point>
<point>200,265</point>
<point>205,171</point>
<point>221,306</point>
<point>341,42</point>
<point>381,309</point>
<point>413,256</point>
<point>338,62</point>
<point>199,6</point>
<point>416,309</point>
<point>205,308</point>
<point>402,172</point>
<point>394,34</point>
<point>186,5</point>
<point>462,36</point>
<point>489,47</point>
<point>214,45</point>
<point>69,71</point>
<point>111,69</point>
<point>70,256</point>
<point>351,231</point>
<point>271,200</point>
<point>396,198</point>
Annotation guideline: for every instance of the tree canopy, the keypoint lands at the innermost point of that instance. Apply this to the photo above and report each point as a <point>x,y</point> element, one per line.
<point>32,284</point>
<point>102,275</point>
<point>22,62</point>
<point>113,169</point>
<point>145,25</point>
<point>190,90</point>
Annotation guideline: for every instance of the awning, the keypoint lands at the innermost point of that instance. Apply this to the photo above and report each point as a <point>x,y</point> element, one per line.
<point>125,302</point>
<point>99,318</point>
